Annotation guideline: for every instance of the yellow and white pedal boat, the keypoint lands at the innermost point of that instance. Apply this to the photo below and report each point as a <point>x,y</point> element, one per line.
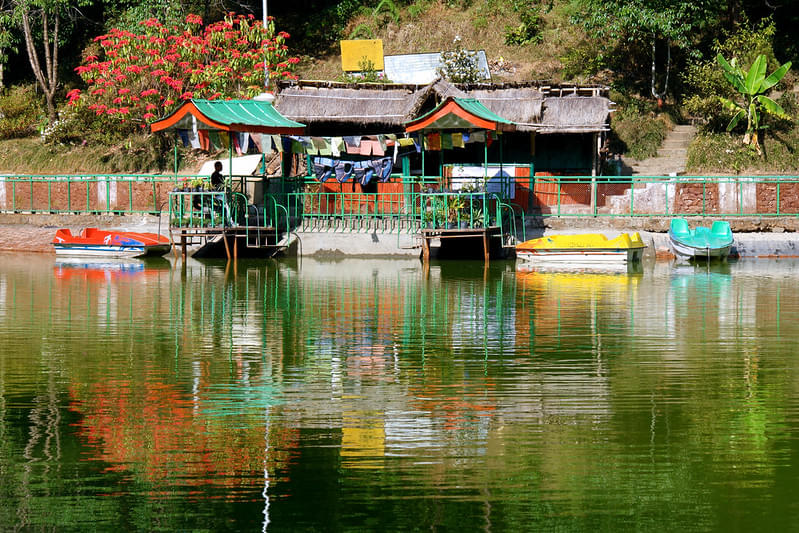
<point>582,250</point>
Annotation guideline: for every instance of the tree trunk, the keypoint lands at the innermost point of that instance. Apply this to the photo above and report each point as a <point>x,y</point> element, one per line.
<point>46,78</point>
<point>655,93</point>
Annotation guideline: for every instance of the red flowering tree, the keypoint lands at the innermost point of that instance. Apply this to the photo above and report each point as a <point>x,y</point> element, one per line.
<point>138,77</point>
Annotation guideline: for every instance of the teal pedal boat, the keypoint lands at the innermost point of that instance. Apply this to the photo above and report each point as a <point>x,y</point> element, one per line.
<point>701,242</point>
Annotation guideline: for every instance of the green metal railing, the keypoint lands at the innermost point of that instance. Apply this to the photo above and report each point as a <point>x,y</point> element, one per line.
<point>201,209</point>
<point>306,201</point>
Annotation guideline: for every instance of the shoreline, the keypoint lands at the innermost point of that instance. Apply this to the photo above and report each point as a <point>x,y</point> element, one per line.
<point>33,233</point>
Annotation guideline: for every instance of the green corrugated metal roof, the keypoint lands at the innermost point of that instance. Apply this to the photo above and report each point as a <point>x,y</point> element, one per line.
<point>476,107</point>
<point>236,115</point>
<point>451,121</point>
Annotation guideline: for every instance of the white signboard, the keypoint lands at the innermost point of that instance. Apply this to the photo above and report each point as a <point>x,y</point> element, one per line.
<point>500,180</point>
<point>423,68</point>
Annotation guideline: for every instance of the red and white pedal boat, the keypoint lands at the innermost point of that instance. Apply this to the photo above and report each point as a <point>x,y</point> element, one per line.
<point>93,242</point>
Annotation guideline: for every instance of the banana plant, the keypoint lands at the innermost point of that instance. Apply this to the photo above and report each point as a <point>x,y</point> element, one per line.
<point>752,86</point>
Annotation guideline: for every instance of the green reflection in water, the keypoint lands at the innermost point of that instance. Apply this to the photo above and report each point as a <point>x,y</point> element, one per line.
<point>385,395</point>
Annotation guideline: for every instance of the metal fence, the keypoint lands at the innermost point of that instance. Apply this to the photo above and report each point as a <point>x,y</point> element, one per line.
<point>298,201</point>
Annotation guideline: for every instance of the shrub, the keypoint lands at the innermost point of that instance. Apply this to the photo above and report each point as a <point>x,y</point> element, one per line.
<point>20,112</point>
<point>460,65</point>
<point>635,134</point>
<point>528,31</point>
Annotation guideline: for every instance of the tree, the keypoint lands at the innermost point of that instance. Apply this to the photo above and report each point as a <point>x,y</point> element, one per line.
<point>140,76</point>
<point>752,86</point>
<point>460,65</point>
<point>41,19</point>
<point>648,24</point>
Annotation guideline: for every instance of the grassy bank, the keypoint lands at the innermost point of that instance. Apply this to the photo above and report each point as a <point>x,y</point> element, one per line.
<point>29,155</point>
<point>723,153</point>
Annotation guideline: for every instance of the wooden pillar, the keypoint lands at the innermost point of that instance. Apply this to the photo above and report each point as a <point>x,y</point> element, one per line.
<point>594,168</point>
<point>486,248</point>
<point>227,247</point>
<point>425,248</point>
<point>183,245</point>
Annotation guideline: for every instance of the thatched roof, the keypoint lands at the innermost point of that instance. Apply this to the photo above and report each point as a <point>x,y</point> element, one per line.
<point>533,106</point>
<point>522,105</point>
<point>372,105</point>
<point>575,114</point>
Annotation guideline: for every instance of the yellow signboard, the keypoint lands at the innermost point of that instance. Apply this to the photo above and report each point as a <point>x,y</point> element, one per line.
<point>355,52</point>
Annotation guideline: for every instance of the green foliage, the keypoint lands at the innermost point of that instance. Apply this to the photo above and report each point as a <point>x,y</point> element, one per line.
<point>367,74</point>
<point>361,31</point>
<point>752,84</point>
<point>712,153</point>
<point>635,132</point>
<point>529,29</point>
<point>460,65</point>
<point>21,109</point>
<point>703,81</point>
<point>585,59</point>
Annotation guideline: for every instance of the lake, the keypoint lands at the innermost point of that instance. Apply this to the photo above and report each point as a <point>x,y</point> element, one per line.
<point>302,395</point>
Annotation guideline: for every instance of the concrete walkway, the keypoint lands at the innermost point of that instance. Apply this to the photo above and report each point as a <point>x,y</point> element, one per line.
<point>671,156</point>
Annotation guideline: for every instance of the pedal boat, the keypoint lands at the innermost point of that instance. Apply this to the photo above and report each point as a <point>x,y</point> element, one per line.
<point>93,242</point>
<point>582,250</point>
<point>701,242</point>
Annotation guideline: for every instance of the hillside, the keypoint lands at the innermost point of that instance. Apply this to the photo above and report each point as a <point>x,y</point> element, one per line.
<point>485,25</point>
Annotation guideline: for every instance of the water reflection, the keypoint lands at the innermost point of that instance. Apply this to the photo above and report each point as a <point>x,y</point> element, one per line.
<point>437,396</point>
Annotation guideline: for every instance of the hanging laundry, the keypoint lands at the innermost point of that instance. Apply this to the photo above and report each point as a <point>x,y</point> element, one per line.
<point>446,141</point>
<point>224,139</point>
<point>366,147</point>
<point>457,140</point>
<point>213,137</point>
<point>323,168</point>
<point>433,142</point>
<point>205,141</point>
<point>467,138</point>
<point>321,145</point>
<point>477,137</point>
<point>343,170</point>
<point>194,139</point>
<point>353,144</point>
<point>280,143</point>
<point>244,141</point>
<point>297,147</point>
<point>337,146</point>
<point>309,146</point>
<point>405,141</point>
<point>234,137</point>
<point>255,140</point>
<point>184,137</point>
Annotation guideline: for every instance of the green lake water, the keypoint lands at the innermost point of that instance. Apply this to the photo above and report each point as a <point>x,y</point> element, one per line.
<point>360,395</point>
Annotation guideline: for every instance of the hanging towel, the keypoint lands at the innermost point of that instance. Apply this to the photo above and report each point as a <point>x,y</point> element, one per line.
<point>478,137</point>
<point>279,143</point>
<point>457,140</point>
<point>467,138</point>
<point>297,147</point>
<point>234,137</point>
<point>405,141</point>
<point>244,140</point>
<point>446,141</point>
